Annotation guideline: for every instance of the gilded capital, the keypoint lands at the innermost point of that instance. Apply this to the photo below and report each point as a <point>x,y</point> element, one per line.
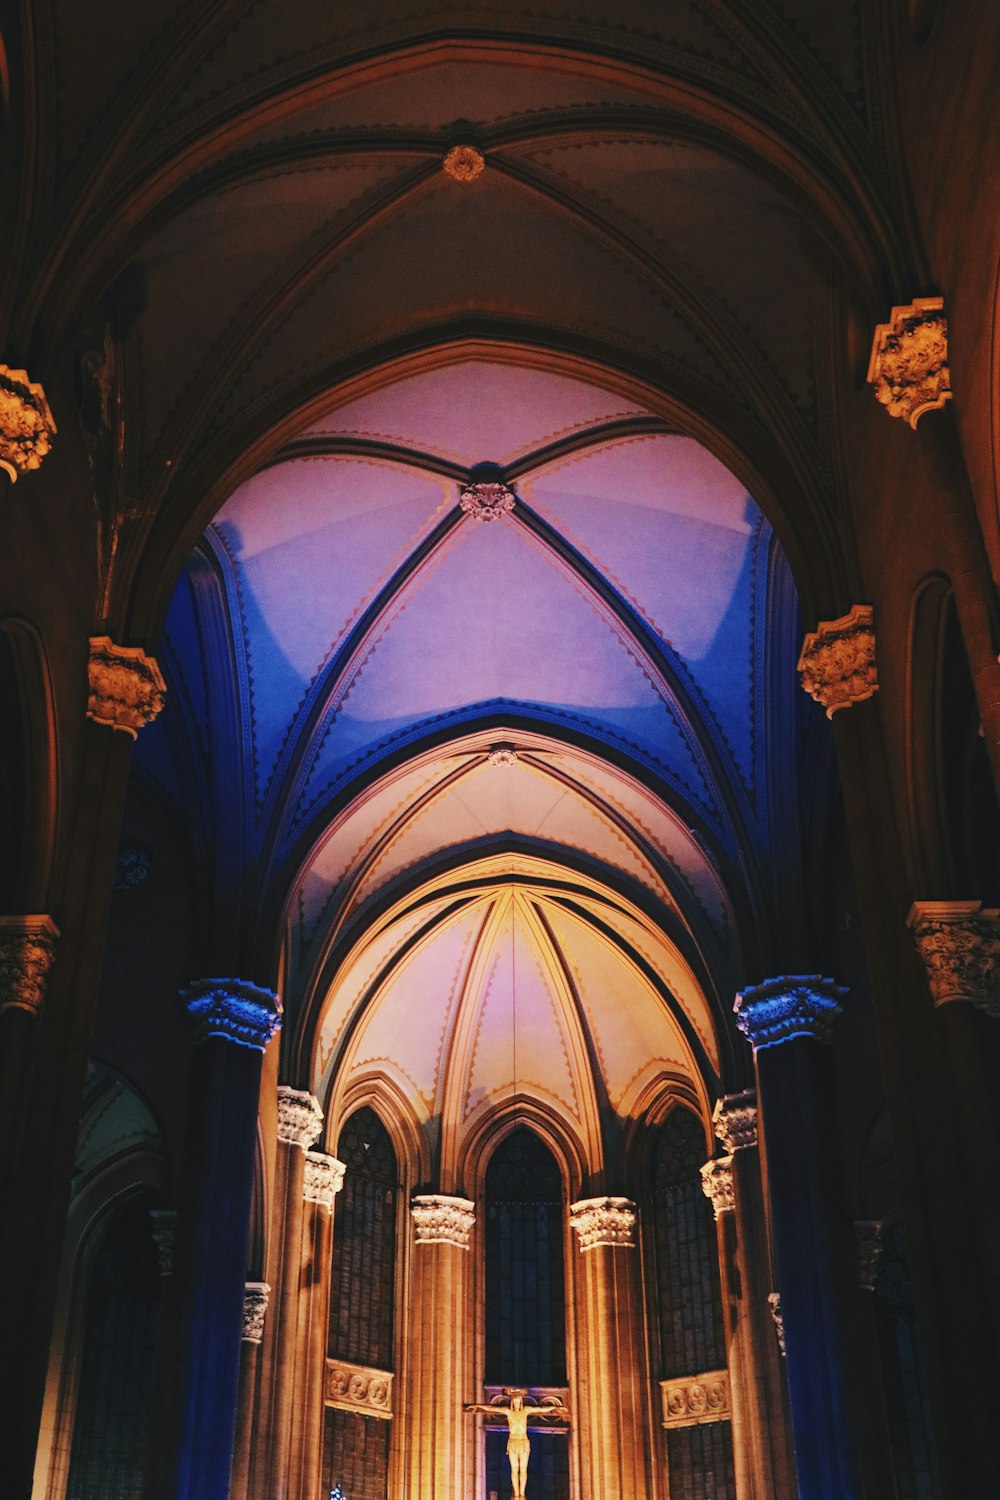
<point>323,1180</point>
<point>959,943</point>
<point>795,1005</point>
<point>27,948</point>
<point>717,1185</point>
<point>837,664</point>
<point>909,361</point>
<point>126,687</point>
<point>734,1120</point>
<point>603,1221</point>
<point>442,1220</point>
<point>300,1118</point>
<point>26,423</point>
<point>233,1010</point>
<point>255,1296</point>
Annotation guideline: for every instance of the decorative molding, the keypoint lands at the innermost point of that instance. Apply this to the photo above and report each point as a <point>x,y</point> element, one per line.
<point>27,948</point>
<point>464,163</point>
<point>868,1238</point>
<point>486,502</point>
<point>779,1010</point>
<point>358,1388</point>
<point>255,1295</point>
<point>774,1303</point>
<point>717,1185</point>
<point>603,1221</point>
<point>132,867</point>
<point>696,1399</point>
<point>734,1120</point>
<point>300,1118</point>
<point>441,1220</point>
<point>27,426</point>
<point>233,1010</point>
<point>909,360</point>
<point>959,944</point>
<point>127,689</point>
<point>502,755</point>
<point>164,1236</point>
<point>837,663</point>
<point>323,1180</point>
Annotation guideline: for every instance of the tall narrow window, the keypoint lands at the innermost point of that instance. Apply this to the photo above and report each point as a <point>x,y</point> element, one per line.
<point>689,1304</point>
<point>356,1444</point>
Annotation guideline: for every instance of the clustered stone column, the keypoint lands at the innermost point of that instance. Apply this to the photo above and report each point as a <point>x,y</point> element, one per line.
<point>611,1399</point>
<point>788,1021</point>
<point>437,1454</point>
<point>323,1180</point>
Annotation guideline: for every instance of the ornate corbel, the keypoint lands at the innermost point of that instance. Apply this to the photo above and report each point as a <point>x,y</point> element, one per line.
<point>126,687</point>
<point>837,664</point>
<point>27,426</point>
<point>909,360</point>
<point>959,943</point>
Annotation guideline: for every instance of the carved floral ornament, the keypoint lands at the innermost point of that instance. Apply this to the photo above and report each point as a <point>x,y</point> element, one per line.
<point>300,1118</point>
<point>717,1185</point>
<point>603,1221</point>
<point>26,423</point>
<point>255,1295</point>
<point>324,1178</point>
<point>233,1011</point>
<point>694,1399</point>
<point>734,1120</point>
<point>486,501</point>
<point>837,663</point>
<point>27,948</point>
<point>959,943</point>
<point>464,163</point>
<point>441,1220</point>
<point>358,1388</point>
<point>781,1010</point>
<point>126,687</point>
<point>909,360</point>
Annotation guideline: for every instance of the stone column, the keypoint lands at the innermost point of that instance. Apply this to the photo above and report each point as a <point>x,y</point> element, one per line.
<point>436,1444</point>
<point>256,1295</point>
<point>789,1021</point>
<point>234,1022</point>
<point>324,1177</point>
<point>760,1411</point>
<point>610,1406</point>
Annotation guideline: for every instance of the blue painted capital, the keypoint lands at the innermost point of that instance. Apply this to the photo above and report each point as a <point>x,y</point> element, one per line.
<point>793,1005</point>
<point>233,1010</point>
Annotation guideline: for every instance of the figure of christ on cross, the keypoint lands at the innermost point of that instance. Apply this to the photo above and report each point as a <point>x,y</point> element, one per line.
<point>517,1414</point>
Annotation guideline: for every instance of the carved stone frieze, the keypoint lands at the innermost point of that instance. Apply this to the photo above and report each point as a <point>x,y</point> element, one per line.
<point>603,1221</point>
<point>323,1180</point>
<point>300,1118</point>
<point>774,1303</point>
<point>464,163</point>
<point>27,948</point>
<point>868,1238</point>
<point>959,943</point>
<point>717,1185</point>
<point>486,502</point>
<point>909,360</point>
<point>734,1120</point>
<point>164,1237</point>
<point>837,663</point>
<point>779,1010</point>
<point>27,426</point>
<point>442,1220</point>
<point>126,687</point>
<point>233,1010</point>
<point>358,1388</point>
<point>695,1399</point>
<point>255,1296</point>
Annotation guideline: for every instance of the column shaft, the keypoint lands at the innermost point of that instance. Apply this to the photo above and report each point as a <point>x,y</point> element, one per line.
<point>611,1416</point>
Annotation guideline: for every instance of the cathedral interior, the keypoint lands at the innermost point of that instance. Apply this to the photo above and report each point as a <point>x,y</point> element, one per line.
<point>500,739</point>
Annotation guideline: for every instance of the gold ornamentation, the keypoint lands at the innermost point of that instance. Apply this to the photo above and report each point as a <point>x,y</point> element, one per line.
<point>734,1120</point>
<point>126,688</point>
<point>26,423</point>
<point>959,943</point>
<point>27,948</point>
<point>717,1185</point>
<point>464,163</point>
<point>255,1297</point>
<point>603,1221</point>
<point>324,1179</point>
<point>838,660</point>
<point>909,360</point>
<point>358,1388</point>
<point>696,1399</point>
<point>441,1220</point>
<point>300,1118</point>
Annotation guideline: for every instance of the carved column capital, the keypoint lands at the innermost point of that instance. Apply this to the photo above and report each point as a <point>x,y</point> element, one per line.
<point>774,1303</point>
<point>868,1238</point>
<point>127,689</point>
<point>255,1297</point>
<point>164,1237</point>
<point>908,367</point>
<point>959,943</point>
<point>603,1221</point>
<point>324,1179</point>
<point>734,1120</point>
<point>442,1220</point>
<point>26,423</point>
<point>233,1010</point>
<point>797,1005</point>
<point>300,1118</point>
<point>837,663</point>
<point>717,1185</point>
<point>27,948</point>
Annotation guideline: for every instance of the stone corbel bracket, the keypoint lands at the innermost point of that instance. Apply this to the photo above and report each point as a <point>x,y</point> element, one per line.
<point>27,426</point>
<point>359,1388</point>
<point>908,368</point>
<point>837,664</point>
<point>127,689</point>
<point>696,1399</point>
<point>959,943</point>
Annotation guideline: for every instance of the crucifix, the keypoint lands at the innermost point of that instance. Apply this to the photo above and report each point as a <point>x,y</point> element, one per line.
<point>517,1414</point>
